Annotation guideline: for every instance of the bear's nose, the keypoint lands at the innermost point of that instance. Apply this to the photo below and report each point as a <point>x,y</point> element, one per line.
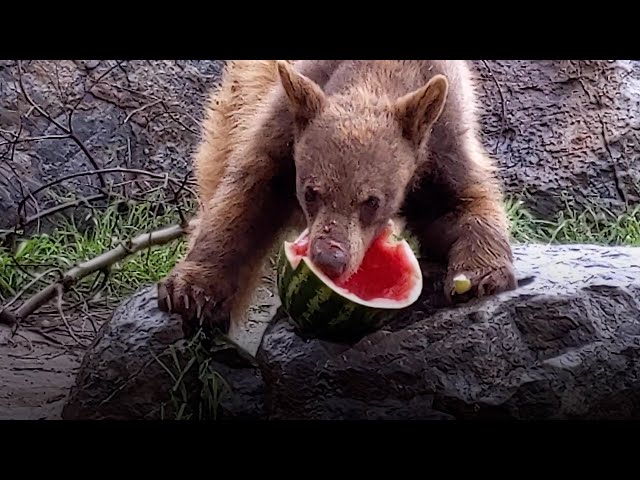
<point>330,257</point>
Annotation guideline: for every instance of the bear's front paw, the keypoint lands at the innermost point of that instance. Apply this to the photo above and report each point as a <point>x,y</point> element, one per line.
<point>200,297</point>
<point>466,282</point>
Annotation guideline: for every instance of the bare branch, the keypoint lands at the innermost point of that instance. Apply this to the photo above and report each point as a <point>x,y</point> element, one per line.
<point>35,280</point>
<point>59,208</point>
<point>88,90</point>
<point>504,108</point>
<point>176,198</point>
<point>138,110</point>
<point>37,107</point>
<point>60,292</point>
<point>165,105</point>
<point>10,164</point>
<point>161,176</point>
<point>67,130</point>
<point>36,139</point>
<point>71,277</point>
<point>618,178</point>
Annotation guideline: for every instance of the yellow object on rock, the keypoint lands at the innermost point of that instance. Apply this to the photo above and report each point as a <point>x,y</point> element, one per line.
<point>461,284</point>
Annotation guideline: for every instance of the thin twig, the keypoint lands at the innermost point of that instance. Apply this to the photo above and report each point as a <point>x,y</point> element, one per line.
<point>88,90</point>
<point>140,109</point>
<point>107,72</point>
<point>136,171</point>
<point>36,139</point>
<point>504,108</point>
<point>46,336</point>
<point>90,316</point>
<point>617,176</point>
<point>28,342</point>
<point>176,198</point>
<point>161,176</point>
<point>60,292</point>
<point>59,208</point>
<point>165,105</point>
<point>35,280</point>
<point>10,164</point>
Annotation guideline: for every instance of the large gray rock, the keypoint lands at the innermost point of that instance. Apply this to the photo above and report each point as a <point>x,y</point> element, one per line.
<point>565,346</point>
<point>564,131</point>
<point>130,370</point>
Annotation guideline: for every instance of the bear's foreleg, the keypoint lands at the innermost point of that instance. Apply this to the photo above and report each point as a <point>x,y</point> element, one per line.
<point>474,240</point>
<point>235,232</point>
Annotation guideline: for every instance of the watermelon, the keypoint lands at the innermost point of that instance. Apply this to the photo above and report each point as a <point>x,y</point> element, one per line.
<point>388,280</point>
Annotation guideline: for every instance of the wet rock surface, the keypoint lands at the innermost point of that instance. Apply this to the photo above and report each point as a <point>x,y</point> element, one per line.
<point>130,370</point>
<point>564,346</point>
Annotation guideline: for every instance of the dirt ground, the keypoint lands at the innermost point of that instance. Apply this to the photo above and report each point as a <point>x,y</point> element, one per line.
<point>38,366</point>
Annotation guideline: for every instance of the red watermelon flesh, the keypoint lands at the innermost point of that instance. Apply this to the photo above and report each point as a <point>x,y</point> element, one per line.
<point>388,270</point>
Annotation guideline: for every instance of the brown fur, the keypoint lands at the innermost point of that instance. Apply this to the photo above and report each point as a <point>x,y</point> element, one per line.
<point>344,145</point>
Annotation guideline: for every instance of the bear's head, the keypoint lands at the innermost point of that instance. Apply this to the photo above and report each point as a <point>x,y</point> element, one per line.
<point>355,157</point>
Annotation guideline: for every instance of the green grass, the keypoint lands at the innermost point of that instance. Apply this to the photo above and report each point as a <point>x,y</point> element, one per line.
<point>591,226</point>
<point>198,389</point>
<point>68,245</point>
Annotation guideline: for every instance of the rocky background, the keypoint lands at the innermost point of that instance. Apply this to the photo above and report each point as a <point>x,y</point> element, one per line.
<point>564,131</point>
<point>90,115</point>
<point>561,130</point>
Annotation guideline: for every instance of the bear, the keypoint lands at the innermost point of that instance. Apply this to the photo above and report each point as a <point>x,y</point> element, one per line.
<point>340,147</point>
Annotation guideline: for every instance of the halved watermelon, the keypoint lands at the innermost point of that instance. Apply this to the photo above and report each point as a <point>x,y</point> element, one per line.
<point>389,280</point>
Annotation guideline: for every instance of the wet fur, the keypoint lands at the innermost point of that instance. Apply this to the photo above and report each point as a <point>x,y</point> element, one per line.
<point>247,180</point>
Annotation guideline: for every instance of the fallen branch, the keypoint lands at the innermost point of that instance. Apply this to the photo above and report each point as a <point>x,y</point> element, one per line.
<point>102,262</point>
<point>35,280</point>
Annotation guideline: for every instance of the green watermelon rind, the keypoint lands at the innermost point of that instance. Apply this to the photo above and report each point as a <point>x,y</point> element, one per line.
<point>324,311</point>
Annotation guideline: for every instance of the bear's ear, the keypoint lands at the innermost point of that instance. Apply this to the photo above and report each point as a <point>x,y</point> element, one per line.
<point>418,111</point>
<point>306,98</point>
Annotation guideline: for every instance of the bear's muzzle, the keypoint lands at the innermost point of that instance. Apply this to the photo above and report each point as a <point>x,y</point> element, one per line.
<point>330,256</point>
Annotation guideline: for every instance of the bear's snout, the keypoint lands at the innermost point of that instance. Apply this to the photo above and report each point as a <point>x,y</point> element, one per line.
<point>330,256</point>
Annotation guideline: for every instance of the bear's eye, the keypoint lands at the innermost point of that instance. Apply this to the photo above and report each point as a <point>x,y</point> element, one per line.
<point>372,202</point>
<point>310,195</point>
<point>369,208</point>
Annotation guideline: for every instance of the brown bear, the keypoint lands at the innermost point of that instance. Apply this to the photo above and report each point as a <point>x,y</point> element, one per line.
<point>340,146</point>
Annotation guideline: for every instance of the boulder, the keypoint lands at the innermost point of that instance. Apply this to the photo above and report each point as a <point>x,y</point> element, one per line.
<point>565,345</point>
<point>139,357</point>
